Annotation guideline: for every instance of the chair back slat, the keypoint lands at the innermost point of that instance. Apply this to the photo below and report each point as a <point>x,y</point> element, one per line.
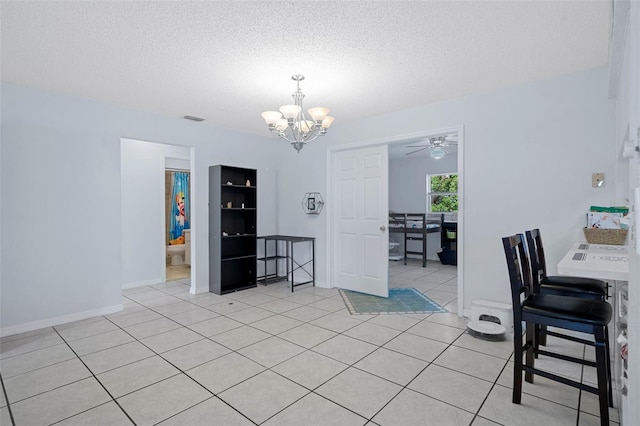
<point>519,270</point>
<point>536,256</point>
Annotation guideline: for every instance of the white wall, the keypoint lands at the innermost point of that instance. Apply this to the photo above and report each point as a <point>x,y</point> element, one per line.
<point>408,184</point>
<point>61,232</point>
<point>529,154</point>
<point>407,192</point>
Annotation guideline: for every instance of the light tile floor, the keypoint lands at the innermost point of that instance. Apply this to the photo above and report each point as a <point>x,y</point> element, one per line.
<point>269,356</point>
<point>177,272</point>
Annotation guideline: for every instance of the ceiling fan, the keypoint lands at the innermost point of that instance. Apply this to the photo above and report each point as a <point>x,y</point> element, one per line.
<point>436,145</point>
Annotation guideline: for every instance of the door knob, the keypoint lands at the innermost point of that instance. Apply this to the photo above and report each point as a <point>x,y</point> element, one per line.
<point>382,228</point>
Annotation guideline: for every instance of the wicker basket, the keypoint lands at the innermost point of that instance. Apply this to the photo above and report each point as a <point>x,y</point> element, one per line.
<point>614,237</point>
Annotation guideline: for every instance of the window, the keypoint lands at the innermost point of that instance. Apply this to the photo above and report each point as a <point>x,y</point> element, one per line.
<point>442,192</point>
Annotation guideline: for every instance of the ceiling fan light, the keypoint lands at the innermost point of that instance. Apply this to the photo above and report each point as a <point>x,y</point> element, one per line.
<point>437,153</point>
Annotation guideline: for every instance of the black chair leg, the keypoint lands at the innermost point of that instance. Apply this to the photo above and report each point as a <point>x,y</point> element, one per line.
<point>542,336</point>
<point>532,330</point>
<point>517,366</point>
<point>609,376</point>
<point>602,358</point>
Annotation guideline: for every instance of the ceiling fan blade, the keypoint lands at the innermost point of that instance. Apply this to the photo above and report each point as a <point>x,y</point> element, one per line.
<point>417,146</point>
<point>417,150</point>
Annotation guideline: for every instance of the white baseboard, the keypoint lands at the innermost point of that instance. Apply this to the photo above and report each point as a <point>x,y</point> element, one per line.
<point>200,290</point>
<point>142,283</point>
<point>50,322</point>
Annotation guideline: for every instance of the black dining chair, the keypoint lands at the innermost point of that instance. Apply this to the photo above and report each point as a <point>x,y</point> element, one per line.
<point>559,285</point>
<point>588,316</point>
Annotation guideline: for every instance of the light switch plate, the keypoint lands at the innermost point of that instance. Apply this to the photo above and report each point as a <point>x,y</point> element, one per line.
<point>597,180</point>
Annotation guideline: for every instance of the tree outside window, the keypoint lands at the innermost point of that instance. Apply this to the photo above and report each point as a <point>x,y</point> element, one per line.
<point>442,192</point>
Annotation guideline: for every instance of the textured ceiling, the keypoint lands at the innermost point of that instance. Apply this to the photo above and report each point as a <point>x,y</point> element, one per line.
<point>228,61</point>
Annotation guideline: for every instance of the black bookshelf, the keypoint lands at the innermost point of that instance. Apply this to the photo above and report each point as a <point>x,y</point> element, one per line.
<point>232,228</point>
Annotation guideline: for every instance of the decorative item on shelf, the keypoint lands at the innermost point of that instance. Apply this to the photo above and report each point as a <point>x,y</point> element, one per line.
<point>248,183</point>
<point>292,125</point>
<point>229,183</point>
<point>229,204</point>
<point>224,234</point>
<point>243,205</point>
<point>312,203</point>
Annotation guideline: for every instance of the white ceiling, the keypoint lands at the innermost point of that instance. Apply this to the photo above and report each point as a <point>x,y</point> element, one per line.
<point>227,61</point>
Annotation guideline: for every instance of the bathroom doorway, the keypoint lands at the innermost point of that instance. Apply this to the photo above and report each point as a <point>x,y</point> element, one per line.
<point>177,220</point>
<point>143,209</point>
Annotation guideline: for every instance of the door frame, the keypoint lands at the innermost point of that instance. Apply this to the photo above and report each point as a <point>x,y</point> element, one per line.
<point>390,140</point>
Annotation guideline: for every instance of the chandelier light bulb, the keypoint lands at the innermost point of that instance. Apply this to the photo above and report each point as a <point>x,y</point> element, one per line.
<point>318,113</point>
<point>290,111</point>
<point>326,123</point>
<point>271,117</point>
<point>282,124</point>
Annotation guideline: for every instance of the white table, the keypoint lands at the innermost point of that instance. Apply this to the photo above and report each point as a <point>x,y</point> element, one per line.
<point>609,263</point>
<point>600,261</point>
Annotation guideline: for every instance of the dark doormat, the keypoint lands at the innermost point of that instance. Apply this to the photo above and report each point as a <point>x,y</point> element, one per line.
<point>400,301</point>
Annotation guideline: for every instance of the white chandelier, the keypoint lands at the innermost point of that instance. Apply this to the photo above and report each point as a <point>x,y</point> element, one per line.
<point>292,125</point>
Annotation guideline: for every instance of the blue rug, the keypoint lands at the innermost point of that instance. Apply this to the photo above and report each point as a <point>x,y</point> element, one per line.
<point>400,301</point>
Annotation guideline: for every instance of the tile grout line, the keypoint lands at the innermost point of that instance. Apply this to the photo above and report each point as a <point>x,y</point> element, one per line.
<point>178,299</point>
<point>181,372</point>
<point>97,380</point>
<point>6,397</point>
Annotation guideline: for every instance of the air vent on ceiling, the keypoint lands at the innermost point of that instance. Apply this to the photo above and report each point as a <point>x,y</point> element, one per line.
<point>193,118</point>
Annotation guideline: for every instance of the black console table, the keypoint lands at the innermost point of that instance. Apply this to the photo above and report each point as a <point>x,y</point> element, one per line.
<point>291,264</point>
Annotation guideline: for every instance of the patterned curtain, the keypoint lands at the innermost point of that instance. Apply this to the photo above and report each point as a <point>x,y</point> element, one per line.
<point>179,206</point>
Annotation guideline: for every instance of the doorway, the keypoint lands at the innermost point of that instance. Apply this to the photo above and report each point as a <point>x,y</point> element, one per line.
<point>144,245</point>
<point>177,222</point>
<point>391,143</point>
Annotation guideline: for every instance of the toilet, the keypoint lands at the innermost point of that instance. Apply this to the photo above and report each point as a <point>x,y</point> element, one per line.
<point>176,251</point>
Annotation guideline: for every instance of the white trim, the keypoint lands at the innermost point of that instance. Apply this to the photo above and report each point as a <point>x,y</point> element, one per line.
<point>461,221</point>
<point>136,284</point>
<point>617,40</point>
<point>393,139</point>
<point>192,221</point>
<point>50,322</point>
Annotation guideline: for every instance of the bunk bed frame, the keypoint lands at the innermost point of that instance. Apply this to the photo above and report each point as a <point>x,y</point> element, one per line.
<point>415,227</point>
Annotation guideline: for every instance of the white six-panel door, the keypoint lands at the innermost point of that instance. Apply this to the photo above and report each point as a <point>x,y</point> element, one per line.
<point>361,218</point>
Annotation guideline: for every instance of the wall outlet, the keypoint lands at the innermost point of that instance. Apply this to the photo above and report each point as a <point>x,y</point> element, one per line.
<point>597,180</point>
